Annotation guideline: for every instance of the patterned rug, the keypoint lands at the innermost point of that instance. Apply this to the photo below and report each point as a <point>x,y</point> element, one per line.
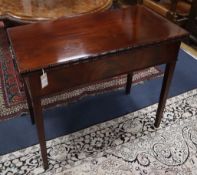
<point>12,97</point>
<point>128,145</point>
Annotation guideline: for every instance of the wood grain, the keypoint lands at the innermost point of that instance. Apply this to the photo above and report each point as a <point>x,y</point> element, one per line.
<point>68,40</point>
<point>39,10</point>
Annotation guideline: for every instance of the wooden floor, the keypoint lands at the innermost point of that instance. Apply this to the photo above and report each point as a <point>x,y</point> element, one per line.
<point>190,50</point>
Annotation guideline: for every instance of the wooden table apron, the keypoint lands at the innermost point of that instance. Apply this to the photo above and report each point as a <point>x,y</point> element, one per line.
<point>66,76</point>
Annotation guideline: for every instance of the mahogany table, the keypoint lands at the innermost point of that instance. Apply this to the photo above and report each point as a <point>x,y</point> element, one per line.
<point>29,11</point>
<point>90,48</point>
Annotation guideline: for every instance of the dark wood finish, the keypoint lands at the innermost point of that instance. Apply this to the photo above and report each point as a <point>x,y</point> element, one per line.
<point>29,102</point>
<point>53,46</point>
<point>90,48</point>
<point>40,128</point>
<point>164,91</point>
<point>129,83</point>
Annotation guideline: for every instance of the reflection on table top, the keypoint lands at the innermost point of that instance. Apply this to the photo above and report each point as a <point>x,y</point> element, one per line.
<point>34,10</point>
<point>61,42</point>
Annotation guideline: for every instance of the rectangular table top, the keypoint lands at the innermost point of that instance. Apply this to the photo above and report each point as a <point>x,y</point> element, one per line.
<point>54,43</point>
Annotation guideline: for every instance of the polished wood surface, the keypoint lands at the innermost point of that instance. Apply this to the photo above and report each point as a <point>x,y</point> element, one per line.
<point>175,10</point>
<point>92,48</point>
<point>54,43</point>
<point>39,10</point>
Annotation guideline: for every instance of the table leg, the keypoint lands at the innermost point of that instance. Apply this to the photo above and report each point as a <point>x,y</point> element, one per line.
<point>29,103</point>
<point>129,82</point>
<point>40,130</point>
<point>169,70</point>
